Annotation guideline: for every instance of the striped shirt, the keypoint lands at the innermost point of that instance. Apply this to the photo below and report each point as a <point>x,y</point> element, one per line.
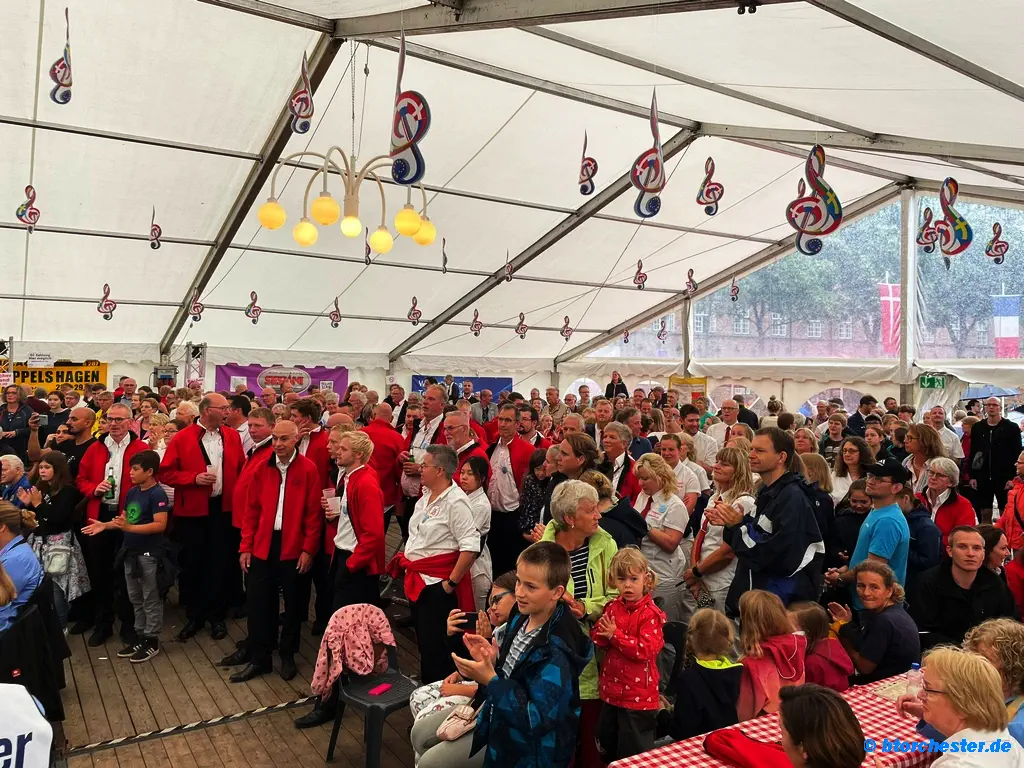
<point>578,559</point>
<point>520,643</point>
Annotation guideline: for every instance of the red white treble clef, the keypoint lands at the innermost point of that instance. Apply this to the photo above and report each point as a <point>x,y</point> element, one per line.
<point>927,235</point>
<point>663,333</point>
<point>816,214</point>
<point>691,284</point>
<point>955,234</point>
<point>521,326</point>
<point>997,248</point>
<point>734,291</point>
<point>106,305</point>
<point>253,310</point>
<point>154,232</point>
<point>60,72</point>
<point>508,268</point>
<point>414,313</point>
<point>444,256</point>
<point>625,337</point>
<point>710,192</point>
<point>196,308</point>
<point>648,173</point>
<point>640,277</point>
<point>335,315</point>
<point>588,170</point>
<point>366,247</point>
<point>301,102</point>
<point>566,331</point>
<point>27,212</point>
<point>410,123</point>
<point>476,326</point>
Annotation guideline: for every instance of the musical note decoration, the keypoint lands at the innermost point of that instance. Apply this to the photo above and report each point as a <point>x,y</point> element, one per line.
<point>410,124</point>
<point>588,171</point>
<point>927,235</point>
<point>27,212</point>
<point>196,308</point>
<point>566,331</point>
<point>444,256</point>
<point>476,326</point>
<point>60,72</point>
<point>955,234</point>
<point>710,192</point>
<point>106,305</point>
<point>640,278</point>
<point>817,214</point>
<point>648,173</point>
<point>414,313</point>
<point>663,333</point>
<point>366,247</point>
<point>335,315</point>
<point>997,248</point>
<point>508,268</point>
<point>253,310</point>
<point>301,102</point>
<point>154,232</point>
<point>625,337</point>
<point>691,284</point>
<point>734,291</point>
<point>521,326</point>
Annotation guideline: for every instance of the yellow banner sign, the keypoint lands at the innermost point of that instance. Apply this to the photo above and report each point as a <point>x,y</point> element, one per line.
<point>78,375</point>
<point>689,388</point>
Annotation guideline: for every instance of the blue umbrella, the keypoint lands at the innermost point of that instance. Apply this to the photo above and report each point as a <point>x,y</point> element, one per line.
<point>988,390</point>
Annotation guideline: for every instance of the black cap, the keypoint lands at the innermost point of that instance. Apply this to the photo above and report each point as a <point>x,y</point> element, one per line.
<point>889,468</point>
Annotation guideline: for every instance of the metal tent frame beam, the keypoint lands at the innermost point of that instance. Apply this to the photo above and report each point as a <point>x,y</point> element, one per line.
<point>320,61</point>
<point>569,224</point>
<point>861,207</point>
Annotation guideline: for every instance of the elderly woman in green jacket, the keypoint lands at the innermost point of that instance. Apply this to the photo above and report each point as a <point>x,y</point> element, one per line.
<point>575,526</point>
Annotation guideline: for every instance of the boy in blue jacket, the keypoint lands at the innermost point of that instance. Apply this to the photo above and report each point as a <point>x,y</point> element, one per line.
<point>529,688</point>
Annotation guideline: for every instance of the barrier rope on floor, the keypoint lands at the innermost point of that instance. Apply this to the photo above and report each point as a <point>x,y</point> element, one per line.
<point>175,730</point>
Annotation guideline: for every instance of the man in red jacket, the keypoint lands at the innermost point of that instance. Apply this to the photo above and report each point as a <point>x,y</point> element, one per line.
<point>509,457</point>
<point>281,529</point>
<point>528,418</point>
<point>459,434</point>
<point>108,457</point>
<point>387,445</point>
<point>464,406</point>
<point>202,464</point>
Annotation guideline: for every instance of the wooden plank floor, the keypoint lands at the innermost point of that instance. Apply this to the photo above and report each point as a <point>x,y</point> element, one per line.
<point>107,697</point>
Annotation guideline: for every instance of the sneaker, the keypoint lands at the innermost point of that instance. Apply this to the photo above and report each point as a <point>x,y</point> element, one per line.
<point>129,650</point>
<point>146,651</point>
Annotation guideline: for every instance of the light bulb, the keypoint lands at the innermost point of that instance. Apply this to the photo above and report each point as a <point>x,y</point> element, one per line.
<point>271,214</point>
<point>325,209</point>
<point>427,232</point>
<point>407,221</point>
<point>351,226</point>
<point>305,232</point>
<point>381,241</point>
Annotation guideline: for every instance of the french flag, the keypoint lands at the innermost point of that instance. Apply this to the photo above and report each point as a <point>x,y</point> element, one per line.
<point>1006,314</point>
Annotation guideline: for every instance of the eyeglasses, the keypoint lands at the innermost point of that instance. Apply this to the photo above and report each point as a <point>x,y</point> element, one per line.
<point>933,473</point>
<point>880,479</point>
<point>117,419</point>
<point>932,691</point>
<point>495,599</point>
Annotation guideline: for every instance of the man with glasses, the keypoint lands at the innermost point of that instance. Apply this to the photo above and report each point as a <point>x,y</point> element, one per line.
<point>884,535</point>
<point>461,438</point>
<point>720,431</point>
<point>509,457</point>
<point>995,446</point>
<point>203,463</point>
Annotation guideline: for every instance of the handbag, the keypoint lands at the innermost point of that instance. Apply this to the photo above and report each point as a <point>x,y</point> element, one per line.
<point>56,559</point>
<point>704,599</point>
<point>459,722</point>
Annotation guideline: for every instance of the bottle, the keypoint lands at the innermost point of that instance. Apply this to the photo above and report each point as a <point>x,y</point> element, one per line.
<point>915,680</point>
<point>111,494</point>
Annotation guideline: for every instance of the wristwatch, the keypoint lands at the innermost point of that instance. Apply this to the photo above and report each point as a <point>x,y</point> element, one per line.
<point>696,571</point>
<point>453,584</point>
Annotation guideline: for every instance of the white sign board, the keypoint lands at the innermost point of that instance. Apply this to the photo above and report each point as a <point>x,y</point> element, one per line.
<point>39,360</point>
<point>236,380</point>
<point>6,379</point>
<point>326,386</point>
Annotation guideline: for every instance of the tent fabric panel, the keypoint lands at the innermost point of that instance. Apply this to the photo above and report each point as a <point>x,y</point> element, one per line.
<point>80,322</point>
<point>13,244</point>
<point>18,41</point>
<point>492,342</point>
<point>362,336</point>
<point>349,9</point>
<point>923,168</point>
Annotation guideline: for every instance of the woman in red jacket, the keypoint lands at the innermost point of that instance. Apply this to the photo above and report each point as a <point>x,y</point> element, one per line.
<point>947,507</point>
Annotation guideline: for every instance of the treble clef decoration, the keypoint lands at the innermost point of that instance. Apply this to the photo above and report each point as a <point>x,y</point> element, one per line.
<point>927,235</point>
<point>444,256</point>
<point>335,315</point>
<point>106,305</point>
<point>588,170</point>
<point>366,247</point>
<point>648,173</point>
<point>409,125</point>
<point>253,310</point>
<point>476,326</point>
<point>301,102</point>
<point>691,284</point>
<point>508,269</point>
<point>154,232</point>
<point>196,308</point>
<point>521,326</point>
<point>663,333</point>
<point>734,291</point>
<point>60,72</point>
<point>414,313</point>
<point>817,214</point>
<point>27,212</point>
<point>625,337</point>
<point>955,234</point>
<point>997,248</point>
<point>710,192</point>
<point>640,277</point>
<point>566,331</point>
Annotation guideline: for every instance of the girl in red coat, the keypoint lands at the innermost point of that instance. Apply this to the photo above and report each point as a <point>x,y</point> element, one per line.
<point>631,631</point>
<point>826,662</point>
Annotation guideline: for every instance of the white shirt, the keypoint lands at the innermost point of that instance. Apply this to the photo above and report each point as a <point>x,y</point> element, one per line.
<point>396,411</point>
<point>304,442</point>
<point>346,538</point>
<point>442,526</point>
<point>706,448</point>
<point>503,491</point>
<point>481,507</point>
<point>214,445</point>
<point>718,432</point>
<point>247,441</point>
<point>115,464</point>
<point>283,469</point>
<point>713,540</point>
<point>840,487</point>
<point>617,468</point>
<point>1012,759</point>
<point>702,476</point>
<point>951,442</point>
<point>686,480</point>
<point>666,512</point>
<point>410,484</point>
<point>24,726</point>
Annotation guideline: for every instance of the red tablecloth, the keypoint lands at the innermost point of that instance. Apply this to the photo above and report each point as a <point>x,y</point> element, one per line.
<point>877,716</point>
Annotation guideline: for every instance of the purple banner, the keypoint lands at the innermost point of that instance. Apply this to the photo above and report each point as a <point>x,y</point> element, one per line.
<point>302,378</point>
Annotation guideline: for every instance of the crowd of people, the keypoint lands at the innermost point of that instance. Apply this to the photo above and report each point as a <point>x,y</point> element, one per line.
<point>550,544</point>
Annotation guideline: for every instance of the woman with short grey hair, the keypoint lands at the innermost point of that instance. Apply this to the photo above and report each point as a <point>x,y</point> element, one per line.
<point>946,506</point>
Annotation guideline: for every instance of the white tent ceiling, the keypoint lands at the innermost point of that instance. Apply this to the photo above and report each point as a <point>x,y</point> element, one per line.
<point>177,106</point>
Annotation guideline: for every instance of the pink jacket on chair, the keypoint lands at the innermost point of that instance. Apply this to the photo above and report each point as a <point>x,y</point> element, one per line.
<point>352,643</point>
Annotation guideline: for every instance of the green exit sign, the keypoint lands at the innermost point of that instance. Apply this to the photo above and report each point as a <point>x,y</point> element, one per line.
<point>933,382</point>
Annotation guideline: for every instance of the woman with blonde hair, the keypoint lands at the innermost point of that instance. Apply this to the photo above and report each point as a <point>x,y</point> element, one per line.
<point>617,515</point>
<point>1001,641</point>
<point>666,517</point>
<point>22,566</point>
<point>923,444</point>
<point>657,425</point>
<point>688,458</point>
<point>805,441</point>
<point>7,590</point>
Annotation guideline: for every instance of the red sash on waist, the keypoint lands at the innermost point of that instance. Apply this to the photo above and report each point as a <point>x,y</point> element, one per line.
<point>438,566</point>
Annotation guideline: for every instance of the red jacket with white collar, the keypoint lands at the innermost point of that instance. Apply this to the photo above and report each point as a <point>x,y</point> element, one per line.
<point>520,452</point>
<point>539,441</point>
<point>475,450</point>
<point>318,453</point>
<point>92,472</point>
<point>245,480</point>
<point>185,460</point>
<point>301,517</point>
<point>629,485</point>
<point>437,438</point>
<point>955,511</point>
<point>481,433</point>
<point>387,444</point>
<point>629,672</point>
<point>366,511</point>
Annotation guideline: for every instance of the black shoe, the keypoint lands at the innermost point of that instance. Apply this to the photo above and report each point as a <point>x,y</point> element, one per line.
<point>218,630</point>
<point>288,670</point>
<point>191,629</point>
<point>80,627</point>
<point>318,628</point>
<point>316,717</point>
<point>147,649</point>
<point>129,650</point>
<point>236,659</point>
<point>99,635</point>
<point>251,670</point>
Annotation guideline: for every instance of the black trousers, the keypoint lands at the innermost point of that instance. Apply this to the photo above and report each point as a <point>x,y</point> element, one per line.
<point>352,588</point>
<point>983,498</point>
<point>266,579</point>
<point>622,733</point>
<point>321,577</point>
<point>109,593</point>
<point>209,563</point>
<point>430,617</point>
<point>505,541</point>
